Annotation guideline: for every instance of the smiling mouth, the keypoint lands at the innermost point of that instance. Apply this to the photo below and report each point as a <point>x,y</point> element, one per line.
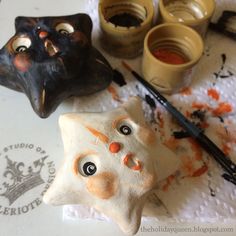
<point>51,49</point>
<point>132,163</point>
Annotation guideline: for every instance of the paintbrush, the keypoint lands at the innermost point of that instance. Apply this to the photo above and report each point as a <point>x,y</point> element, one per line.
<point>224,161</point>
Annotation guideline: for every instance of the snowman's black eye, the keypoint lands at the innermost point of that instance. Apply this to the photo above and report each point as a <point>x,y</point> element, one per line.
<point>125,129</point>
<point>89,168</point>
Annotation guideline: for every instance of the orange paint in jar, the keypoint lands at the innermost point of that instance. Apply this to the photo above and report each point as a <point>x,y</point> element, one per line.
<point>169,56</point>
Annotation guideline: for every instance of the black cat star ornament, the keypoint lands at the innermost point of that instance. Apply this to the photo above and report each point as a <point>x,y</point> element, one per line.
<point>52,58</point>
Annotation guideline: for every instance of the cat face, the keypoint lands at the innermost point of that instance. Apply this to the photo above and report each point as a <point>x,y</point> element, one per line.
<point>112,162</point>
<point>51,58</point>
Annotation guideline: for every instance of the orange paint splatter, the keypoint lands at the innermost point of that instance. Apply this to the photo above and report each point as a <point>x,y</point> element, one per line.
<point>202,170</point>
<point>186,91</point>
<point>204,125</point>
<point>114,93</point>
<point>229,136</point>
<point>213,94</point>
<point>172,143</point>
<point>102,137</point>
<point>169,181</point>
<point>226,149</point>
<point>187,165</point>
<point>200,106</point>
<point>160,119</point>
<point>196,149</point>
<point>222,109</point>
<point>188,114</point>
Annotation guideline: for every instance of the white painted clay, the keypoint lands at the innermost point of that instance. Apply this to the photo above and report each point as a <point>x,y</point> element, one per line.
<point>112,162</point>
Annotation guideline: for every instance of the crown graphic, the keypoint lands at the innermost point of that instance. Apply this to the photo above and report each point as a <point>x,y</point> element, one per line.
<point>20,178</point>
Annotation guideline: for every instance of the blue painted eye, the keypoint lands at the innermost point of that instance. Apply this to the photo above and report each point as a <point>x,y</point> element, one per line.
<point>89,168</point>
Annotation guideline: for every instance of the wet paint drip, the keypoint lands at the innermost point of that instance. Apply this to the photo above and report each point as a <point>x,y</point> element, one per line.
<point>198,118</point>
<point>211,189</point>
<point>199,114</point>
<point>212,192</point>
<point>125,20</point>
<point>169,56</point>
<point>223,73</point>
<point>118,78</point>
<point>150,101</point>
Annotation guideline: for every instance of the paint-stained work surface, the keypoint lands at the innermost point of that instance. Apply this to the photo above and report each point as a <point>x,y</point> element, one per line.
<point>210,103</point>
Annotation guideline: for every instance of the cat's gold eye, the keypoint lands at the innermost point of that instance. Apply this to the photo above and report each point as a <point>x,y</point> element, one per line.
<point>65,28</point>
<point>21,44</point>
<point>125,129</point>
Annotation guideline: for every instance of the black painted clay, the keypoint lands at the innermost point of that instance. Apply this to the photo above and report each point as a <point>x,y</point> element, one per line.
<point>125,20</point>
<point>52,58</point>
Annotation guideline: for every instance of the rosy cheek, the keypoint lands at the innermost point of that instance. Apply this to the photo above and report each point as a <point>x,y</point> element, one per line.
<point>147,136</point>
<point>22,62</point>
<point>103,185</point>
<point>79,38</point>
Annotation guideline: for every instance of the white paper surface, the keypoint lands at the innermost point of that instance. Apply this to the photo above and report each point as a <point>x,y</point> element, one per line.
<point>193,203</point>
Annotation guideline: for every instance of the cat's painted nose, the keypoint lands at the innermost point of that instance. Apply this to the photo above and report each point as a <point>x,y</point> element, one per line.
<point>114,147</point>
<point>43,34</point>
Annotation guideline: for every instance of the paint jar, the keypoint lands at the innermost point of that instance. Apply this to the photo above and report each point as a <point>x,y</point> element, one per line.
<point>171,51</point>
<point>124,25</point>
<point>193,13</point>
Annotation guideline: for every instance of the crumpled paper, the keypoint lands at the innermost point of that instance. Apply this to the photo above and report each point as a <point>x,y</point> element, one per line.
<point>197,193</point>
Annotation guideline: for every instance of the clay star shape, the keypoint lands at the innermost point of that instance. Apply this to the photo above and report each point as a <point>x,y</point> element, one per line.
<point>113,161</point>
<point>52,58</point>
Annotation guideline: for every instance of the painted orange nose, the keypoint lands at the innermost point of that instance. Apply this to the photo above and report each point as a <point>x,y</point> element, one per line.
<point>43,34</point>
<point>114,147</point>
